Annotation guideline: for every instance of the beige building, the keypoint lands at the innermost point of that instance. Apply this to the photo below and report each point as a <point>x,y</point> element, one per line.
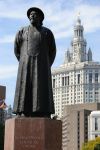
<point>2,98</point>
<point>2,92</point>
<point>75,125</point>
<point>77,80</point>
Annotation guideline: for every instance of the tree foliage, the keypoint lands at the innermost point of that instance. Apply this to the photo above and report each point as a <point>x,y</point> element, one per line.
<point>1,137</point>
<point>92,145</point>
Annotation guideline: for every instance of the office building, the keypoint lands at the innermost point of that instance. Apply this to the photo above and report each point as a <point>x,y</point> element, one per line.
<point>75,125</point>
<point>77,80</point>
<point>94,125</point>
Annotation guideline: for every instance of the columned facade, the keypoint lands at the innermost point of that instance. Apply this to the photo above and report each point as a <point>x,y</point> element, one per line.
<point>77,80</point>
<point>94,125</point>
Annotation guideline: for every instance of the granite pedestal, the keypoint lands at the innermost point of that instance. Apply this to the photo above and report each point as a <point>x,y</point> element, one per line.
<point>33,134</point>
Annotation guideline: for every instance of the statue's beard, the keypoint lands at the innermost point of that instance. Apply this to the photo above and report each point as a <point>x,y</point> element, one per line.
<point>35,23</point>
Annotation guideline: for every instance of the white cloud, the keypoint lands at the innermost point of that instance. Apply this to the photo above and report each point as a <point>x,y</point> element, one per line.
<point>7,72</point>
<point>90,17</point>
<point>7,39</point>
<point>60,18</point>
<point>11,9</point>
<point>63,34</point>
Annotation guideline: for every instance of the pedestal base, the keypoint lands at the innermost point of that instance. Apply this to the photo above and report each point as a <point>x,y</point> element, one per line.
<point>33,134</point>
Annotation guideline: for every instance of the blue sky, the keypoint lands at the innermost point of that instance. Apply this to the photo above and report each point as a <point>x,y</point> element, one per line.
<point>60,16</point>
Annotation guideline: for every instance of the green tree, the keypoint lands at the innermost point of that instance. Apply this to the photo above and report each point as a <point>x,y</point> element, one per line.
<point>1,137</point>
<point>97,147</point>
<point>92,145</point>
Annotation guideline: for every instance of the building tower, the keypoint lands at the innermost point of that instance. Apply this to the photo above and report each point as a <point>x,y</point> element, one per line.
<point>78,43</point>
<point>89,55</point>
<point>77,80</point>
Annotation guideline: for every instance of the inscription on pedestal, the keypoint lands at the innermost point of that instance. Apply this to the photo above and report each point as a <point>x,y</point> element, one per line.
<point>30,142</point>
<point>31,134</point>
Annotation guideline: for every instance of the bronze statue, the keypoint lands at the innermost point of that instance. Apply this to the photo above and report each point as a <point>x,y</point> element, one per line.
<point>35,50</point>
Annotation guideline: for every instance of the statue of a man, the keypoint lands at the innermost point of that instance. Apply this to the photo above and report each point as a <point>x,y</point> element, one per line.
<point>35,50</point>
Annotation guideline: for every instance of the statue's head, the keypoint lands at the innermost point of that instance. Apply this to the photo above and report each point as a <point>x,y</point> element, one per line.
<point>35,15</point>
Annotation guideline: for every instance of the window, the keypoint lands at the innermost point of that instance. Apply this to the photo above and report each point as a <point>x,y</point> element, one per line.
<point>53,83</point>
<point>96,93</point>
<point>62,81</point>
<point>90,77</point>
<point>65,81</point>
<point>67,78</point>
<point>78,79</point>
<point>96,77</point>
<point>96,123</point>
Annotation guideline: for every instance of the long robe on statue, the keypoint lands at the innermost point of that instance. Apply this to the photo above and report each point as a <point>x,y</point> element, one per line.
<point>35,50</point>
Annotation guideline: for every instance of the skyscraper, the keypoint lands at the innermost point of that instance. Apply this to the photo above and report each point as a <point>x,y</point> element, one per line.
<point>77,80</point>
<point>75,127</point>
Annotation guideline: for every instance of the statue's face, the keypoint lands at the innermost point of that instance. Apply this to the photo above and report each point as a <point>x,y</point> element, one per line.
<point>34,18</point>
